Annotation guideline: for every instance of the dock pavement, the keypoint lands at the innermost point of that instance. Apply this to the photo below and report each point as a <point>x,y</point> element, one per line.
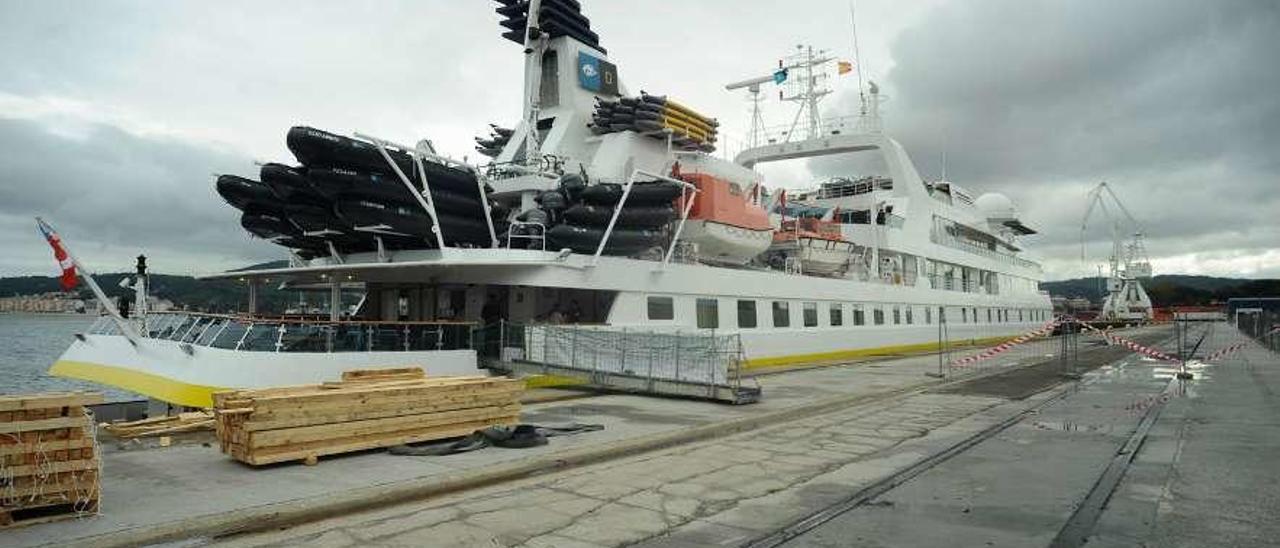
<point>173,493</point>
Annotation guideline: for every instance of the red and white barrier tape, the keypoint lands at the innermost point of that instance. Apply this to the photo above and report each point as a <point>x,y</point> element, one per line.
<point>1005,346</point>
<point>1222,353</point>
<point>1144,350</point>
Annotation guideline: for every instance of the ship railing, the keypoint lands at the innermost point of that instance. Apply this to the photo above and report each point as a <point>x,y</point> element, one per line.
<point>294,334</point>
<point>546,165</point>
<point>841,187</point>
<point>529,233</point>
<point>953,283</point>
<point>425,151</point>
<point>834,125</point>
<point>688,193</point>
<point>942,238</point>
<point>696,363</point>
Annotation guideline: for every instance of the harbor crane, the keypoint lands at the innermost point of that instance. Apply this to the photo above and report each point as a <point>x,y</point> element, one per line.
<point>1126,298</point>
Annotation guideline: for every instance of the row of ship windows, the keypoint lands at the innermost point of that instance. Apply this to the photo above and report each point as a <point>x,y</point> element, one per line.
<point>707,312</point>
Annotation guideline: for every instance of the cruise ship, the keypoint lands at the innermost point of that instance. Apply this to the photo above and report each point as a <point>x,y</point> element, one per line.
<point>606,218</point>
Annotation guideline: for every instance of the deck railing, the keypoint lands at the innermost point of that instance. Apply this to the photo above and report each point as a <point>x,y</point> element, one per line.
<point>267,334</point>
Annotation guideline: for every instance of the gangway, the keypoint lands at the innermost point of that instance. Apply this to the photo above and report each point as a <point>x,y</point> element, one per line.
<point>699,365</point>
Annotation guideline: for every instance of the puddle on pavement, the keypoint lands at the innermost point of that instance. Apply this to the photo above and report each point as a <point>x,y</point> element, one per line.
<point>1071,426</point>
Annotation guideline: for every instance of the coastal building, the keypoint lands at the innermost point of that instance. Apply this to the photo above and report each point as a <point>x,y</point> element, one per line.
<point>45,303</point>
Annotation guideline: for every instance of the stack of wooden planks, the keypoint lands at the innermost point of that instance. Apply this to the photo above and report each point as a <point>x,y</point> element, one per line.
<point>48,461</point>
<point>191,421</point>
<point>368,409</point>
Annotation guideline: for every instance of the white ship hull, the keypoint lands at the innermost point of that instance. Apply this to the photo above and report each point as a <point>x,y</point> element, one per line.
<point>803,331</point>
<point>164,370</point>
<point>528,276</point>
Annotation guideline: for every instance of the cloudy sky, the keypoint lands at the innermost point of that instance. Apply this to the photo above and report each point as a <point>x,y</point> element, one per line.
<point>114,115</point>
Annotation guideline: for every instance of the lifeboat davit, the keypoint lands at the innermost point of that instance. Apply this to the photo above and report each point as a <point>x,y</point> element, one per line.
<point>727,222</point>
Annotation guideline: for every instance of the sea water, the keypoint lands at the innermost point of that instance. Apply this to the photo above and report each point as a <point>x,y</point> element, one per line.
<point>30,343</point>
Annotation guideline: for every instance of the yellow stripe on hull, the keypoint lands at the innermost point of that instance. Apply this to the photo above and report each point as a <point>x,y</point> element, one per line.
<point>195,395</point>
<point>793,359</point>
<point>154,386</point>
<point>551,381</point>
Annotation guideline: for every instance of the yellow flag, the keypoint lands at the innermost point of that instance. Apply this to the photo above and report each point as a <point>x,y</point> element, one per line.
<point>845,67</point>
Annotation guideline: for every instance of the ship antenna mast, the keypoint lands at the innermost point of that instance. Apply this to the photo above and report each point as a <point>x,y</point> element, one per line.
<point>808,92</point>
<point>857,58</point>
<point>535,42</point>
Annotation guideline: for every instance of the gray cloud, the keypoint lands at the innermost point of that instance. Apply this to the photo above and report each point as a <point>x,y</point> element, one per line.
<point>1174,103</point>
<point>1171,101</point>
<point>113,194</point>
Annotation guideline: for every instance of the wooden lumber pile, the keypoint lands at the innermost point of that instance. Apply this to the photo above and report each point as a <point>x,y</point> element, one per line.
<point>161,426</point>
<point>48,461</point>
<point>368,409</point>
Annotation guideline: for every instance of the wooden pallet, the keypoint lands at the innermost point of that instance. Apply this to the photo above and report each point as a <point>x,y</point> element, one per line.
<point>193,421</point>
<point>48,465</point>
<point>368,409</point>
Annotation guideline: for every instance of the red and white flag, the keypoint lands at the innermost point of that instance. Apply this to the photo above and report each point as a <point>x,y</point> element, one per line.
<point>69,278</point>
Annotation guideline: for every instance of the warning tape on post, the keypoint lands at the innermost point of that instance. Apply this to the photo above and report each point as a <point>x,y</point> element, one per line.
<point>1144,350</point>
<point>1007,345</point>
<point>1153,353</point>
<point>1224,352</point>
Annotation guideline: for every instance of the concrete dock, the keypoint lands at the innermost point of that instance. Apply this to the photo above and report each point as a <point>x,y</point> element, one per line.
<point>818,434</point>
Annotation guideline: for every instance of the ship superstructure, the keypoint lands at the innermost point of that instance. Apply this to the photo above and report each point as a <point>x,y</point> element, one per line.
<point>606,209</point>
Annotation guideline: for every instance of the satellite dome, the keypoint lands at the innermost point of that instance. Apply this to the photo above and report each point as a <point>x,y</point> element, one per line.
<point>994,205</point>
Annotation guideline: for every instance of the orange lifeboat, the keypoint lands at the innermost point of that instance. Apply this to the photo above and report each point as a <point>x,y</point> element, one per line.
<point>794,229</point>
<point>726,221</point>
<point>817,246</point>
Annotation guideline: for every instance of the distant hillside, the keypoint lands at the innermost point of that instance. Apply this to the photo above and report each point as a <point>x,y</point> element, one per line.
<point>1172,289</point>
<point>203,295</point>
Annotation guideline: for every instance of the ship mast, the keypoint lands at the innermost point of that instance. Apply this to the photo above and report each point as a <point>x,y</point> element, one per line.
<point>535,45</point>
<point>806,92</point>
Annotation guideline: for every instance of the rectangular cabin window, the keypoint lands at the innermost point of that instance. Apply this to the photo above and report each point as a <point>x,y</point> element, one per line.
<point>964,315</point>
<point>810,314</point>
<point>859,315</point>
<point>708,313</point>
<point>988,315</point>
<point>549,90</point>
<point>837,314</point>
<point>781,314</point>
<point>747,314</point>
<point>877,314</point>
<point>909,319</point>
<point>661,308</point>
<point>897,315</point>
